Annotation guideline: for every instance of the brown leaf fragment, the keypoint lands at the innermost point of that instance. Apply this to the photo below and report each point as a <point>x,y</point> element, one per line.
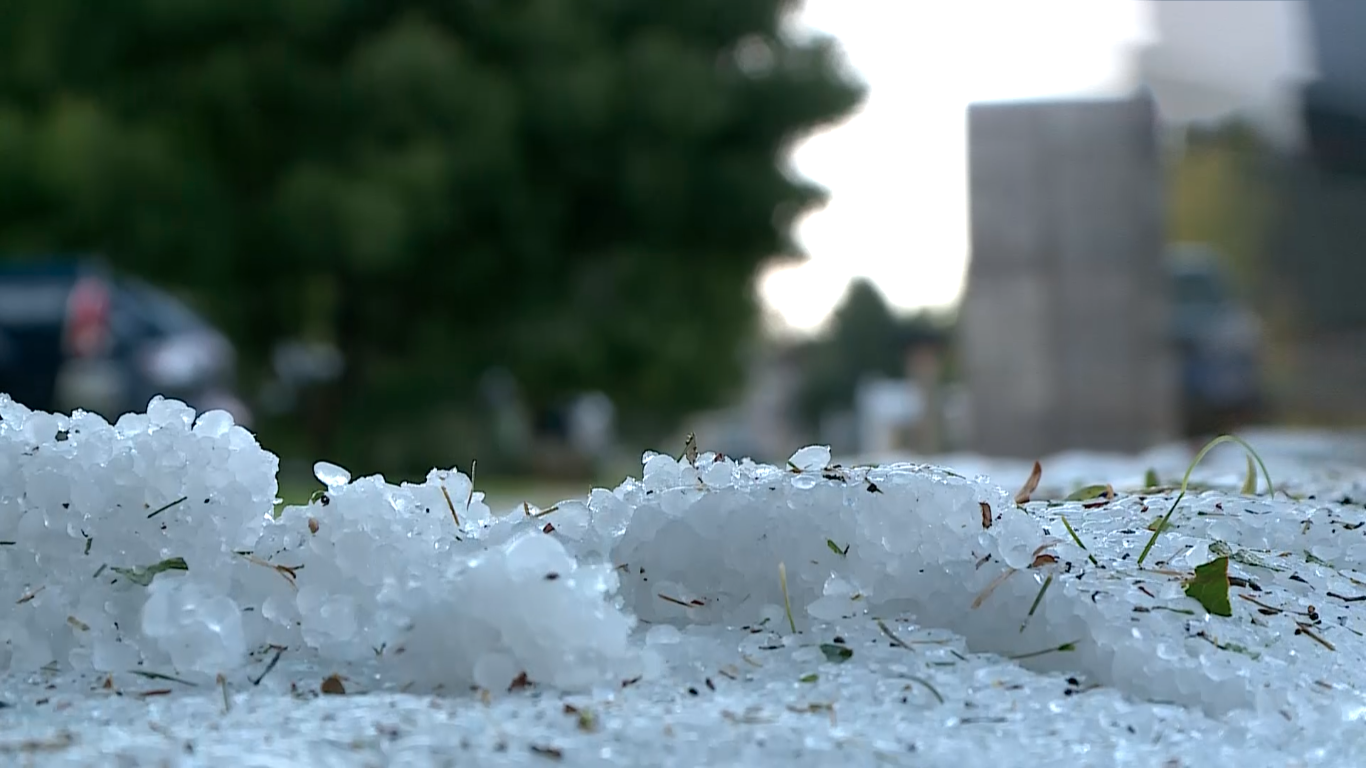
<point>1027,490</point>
<point>332,685</point>
<point>986,514</point>
<point>1043,559</point>
<point>990,588</point>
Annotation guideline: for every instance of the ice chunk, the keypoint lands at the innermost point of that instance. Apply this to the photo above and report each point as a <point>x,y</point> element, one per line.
<point>331,475</point>
<point>812,458</point>
<point>198,627</point>
<point>495,671</point>
<point>662,634</point>
<point>164,412</point>
<point>214,423</point>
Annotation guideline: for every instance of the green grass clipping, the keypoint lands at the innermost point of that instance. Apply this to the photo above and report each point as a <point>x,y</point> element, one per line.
<point>143,576</point>
<point>1249,484</point>
<point>1209,588</point>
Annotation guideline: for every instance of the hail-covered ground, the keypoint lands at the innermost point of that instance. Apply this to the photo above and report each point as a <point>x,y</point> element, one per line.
<point>156,609</point>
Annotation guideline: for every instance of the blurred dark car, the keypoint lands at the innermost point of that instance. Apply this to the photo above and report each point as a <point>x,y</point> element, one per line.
<point>74,334</point>
<point>1219,343</point>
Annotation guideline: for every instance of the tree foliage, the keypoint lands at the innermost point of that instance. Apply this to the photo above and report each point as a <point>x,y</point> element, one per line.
<point>864,338</point>
<point>580,191</point>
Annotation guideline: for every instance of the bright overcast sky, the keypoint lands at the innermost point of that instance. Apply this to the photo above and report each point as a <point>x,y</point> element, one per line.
<point>897,171</point>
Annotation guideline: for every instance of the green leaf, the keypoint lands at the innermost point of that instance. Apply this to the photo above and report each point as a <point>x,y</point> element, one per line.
<point>809,678</point>
<point>1209,588</point>
<point>836,548</point>
<point>837,653</point>
<point>1089,493</point>
<point>143,576</point>
<point>1160,524</point>
<point>1250,480</point>
<point>1150,479</point>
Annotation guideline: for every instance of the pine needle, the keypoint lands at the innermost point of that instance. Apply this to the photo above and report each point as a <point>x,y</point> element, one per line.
<point>227,699</point>
<point>995,583</point>
<point>451,504</point>
<point>161,509</point>
<point>469,498</point>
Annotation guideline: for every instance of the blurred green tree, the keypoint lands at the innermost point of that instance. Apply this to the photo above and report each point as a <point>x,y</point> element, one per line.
<point>864,338</point>
<point>580,191</point>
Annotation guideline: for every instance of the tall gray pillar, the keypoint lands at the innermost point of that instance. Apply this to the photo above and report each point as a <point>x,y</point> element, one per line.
<point>1063,325</point>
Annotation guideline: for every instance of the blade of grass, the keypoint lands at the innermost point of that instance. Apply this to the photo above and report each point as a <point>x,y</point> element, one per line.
<point>1048,582</point>
<point>1185,484</point>
<point>1077,539</point>
<point>917,679</point>
<point>1250,480</point>
<point>160,676</point>
<point>1064,648</point>
<point>898,642</point>
<point>787,601</point>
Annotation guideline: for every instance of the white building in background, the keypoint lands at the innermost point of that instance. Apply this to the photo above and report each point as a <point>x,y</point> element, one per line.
<point>1213,59</point>
<point>886,411</point>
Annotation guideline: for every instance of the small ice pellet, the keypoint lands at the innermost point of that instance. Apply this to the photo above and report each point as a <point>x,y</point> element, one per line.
<point>331,475</point>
